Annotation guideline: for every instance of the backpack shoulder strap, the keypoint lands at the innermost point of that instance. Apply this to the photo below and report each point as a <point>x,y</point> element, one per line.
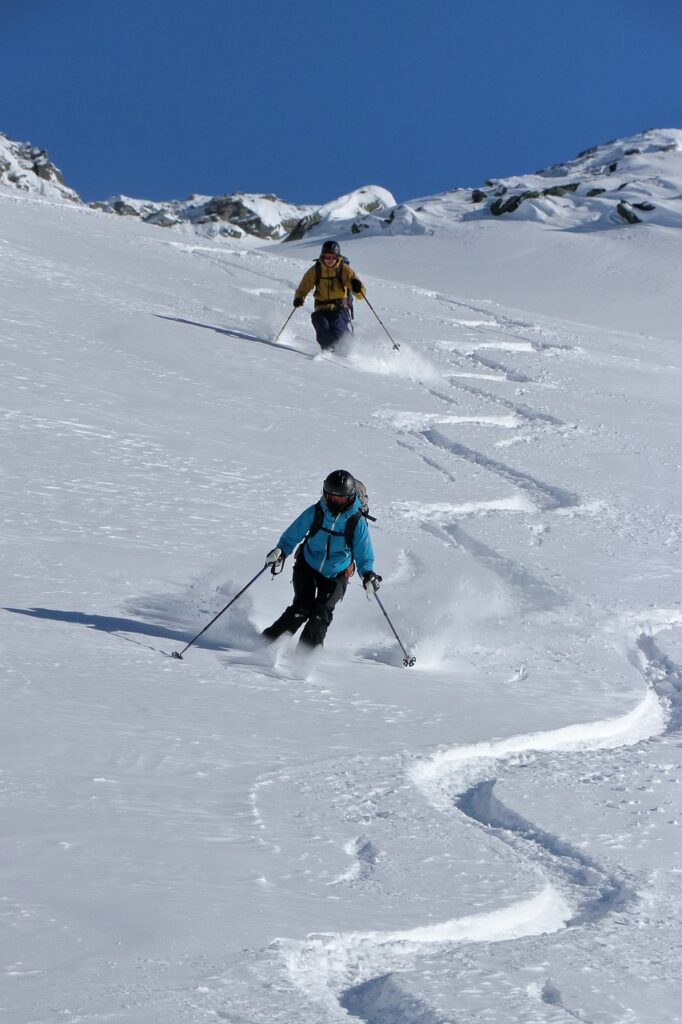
<point>318,519</point>
<point>349,531</point>
<point>339,271</point>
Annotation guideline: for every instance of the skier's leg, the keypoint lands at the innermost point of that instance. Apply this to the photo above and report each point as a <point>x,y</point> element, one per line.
<point>329,593</point>
<point>293,617</point>
<point>339,324</point>
<point>322,320</point>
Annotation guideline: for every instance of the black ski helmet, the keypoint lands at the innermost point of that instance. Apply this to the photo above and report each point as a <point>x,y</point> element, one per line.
<point>340,488</point>
<point>331,246</point>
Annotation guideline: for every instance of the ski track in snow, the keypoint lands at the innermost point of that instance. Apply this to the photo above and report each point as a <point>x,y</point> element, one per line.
<point>354,972</point>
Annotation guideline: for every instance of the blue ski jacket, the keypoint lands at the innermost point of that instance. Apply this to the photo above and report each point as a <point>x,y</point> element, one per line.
<point>326,551</point>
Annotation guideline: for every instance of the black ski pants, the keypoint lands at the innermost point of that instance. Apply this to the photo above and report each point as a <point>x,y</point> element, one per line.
<point>330,325</point>
<point>315,598</point>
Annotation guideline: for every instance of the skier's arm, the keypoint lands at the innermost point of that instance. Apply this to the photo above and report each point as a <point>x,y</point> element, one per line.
<point>363,552</point>
<point>352,281</point>
<point>295,533</point>
<point>306,285</point>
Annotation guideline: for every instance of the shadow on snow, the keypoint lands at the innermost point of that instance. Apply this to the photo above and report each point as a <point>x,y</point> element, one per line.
<point>116,626</point>
<point>232,333</point>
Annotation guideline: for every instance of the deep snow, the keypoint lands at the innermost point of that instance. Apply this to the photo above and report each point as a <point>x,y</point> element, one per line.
<point>491,836</point>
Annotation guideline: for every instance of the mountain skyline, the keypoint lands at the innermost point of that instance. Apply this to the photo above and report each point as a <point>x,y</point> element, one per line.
<point>622,175</point>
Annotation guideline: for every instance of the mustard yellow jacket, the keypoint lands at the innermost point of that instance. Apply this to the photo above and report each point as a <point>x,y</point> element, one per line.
<point>334,284</point>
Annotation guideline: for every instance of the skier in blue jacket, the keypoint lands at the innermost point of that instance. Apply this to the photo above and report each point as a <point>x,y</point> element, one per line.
<point>335,539</point>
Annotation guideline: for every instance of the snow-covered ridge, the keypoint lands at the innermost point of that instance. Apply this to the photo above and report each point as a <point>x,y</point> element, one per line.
<point>242,214</point>
<point>622,182</point>
<point>28,168</point>
<point>625,181</point>
<point>228,216</point>
<point>236,215</point>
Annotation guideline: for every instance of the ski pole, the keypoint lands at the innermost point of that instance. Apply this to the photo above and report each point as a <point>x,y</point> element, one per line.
<point>395,344</point>
<point>409,660</point>
<point>179,654</point>
<point>280,331</point>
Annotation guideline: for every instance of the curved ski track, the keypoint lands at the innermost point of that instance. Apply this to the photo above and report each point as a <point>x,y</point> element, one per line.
<point>352,973</point>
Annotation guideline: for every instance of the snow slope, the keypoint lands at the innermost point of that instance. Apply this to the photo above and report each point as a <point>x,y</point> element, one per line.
<point>493,835</point>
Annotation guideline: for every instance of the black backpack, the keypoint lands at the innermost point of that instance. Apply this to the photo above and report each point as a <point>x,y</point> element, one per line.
<point>351,523</point>
<point>339,274</point>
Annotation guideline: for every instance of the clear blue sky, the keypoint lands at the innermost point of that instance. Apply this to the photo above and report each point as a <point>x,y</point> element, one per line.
<point>161,98</point>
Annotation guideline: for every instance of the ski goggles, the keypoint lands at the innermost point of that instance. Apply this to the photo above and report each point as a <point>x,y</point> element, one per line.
<point>337,499</point>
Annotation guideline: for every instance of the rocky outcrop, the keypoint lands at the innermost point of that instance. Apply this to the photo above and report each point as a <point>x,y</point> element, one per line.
<point>29,169</point>
<point>625,211</point>
<point>236,215</point>
<point>348,209</point>
<point>592,173</point>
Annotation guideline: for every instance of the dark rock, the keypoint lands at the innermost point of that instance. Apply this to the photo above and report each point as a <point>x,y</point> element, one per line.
<point>372,206</point>
<point>231,208</point>
<point>161,219</point>
<point>478,196</point>
<point>500,206</point>
<point>613,166</point>
<point>560,190</point>
<point>42,169</point>
<point>125,209</point>
<point>631,152</point>
<point>626,212</point>
<point>303,226</point>
<point>647,207</point>
<point>595,192</point>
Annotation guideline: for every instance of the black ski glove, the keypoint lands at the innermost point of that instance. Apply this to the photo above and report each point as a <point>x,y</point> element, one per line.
<point>298,301</point>
<point>356,285</point>
<point>371,581</point>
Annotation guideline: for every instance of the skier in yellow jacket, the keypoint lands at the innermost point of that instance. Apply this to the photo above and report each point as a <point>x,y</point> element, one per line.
<point>333,279</point>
